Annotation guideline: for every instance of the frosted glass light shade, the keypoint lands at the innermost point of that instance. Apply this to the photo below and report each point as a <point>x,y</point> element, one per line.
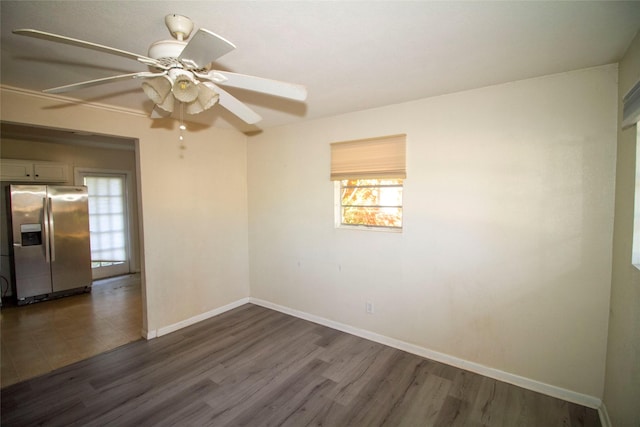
<point>185,89</point>
<point>207,98</point>
<point>157,88</point>
<point>180,85</point>
<point>167,105</point>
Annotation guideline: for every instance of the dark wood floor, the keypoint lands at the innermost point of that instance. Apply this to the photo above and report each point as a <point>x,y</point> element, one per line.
<point>256,367</point>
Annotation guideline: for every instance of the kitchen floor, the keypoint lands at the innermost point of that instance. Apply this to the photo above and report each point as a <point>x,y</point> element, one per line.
<point>44,336</point>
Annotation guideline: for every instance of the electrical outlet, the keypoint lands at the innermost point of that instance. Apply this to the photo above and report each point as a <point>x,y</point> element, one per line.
<point>369,307</point>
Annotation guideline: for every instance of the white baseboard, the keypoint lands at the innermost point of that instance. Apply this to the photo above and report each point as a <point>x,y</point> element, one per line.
<point>605,421</point>
<point>193,320</point>
<point>533,385</point>
<point>149,335</point>
<point>537,386</point>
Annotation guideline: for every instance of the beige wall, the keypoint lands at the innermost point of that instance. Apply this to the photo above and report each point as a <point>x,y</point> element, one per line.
<point>622,388</point>
<point>193,210</point>
<point>505,257</point>
<point>80,156</point>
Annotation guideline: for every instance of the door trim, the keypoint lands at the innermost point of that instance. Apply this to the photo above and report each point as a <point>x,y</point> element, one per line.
<point>78,173</point>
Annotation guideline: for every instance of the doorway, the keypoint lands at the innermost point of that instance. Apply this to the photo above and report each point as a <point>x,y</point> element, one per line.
<point>39,337</point>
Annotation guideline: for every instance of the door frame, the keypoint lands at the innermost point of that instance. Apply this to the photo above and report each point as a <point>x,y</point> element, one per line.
<point>79,173</point>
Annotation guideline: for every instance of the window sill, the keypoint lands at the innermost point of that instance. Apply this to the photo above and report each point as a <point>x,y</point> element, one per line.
<point>366,228</point>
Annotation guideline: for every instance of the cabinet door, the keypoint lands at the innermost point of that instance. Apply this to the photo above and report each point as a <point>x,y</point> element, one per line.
<point>50,172</point>
<point>16,170</point>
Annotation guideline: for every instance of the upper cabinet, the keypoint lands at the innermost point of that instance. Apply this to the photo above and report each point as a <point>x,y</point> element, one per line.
<point>31,170</point>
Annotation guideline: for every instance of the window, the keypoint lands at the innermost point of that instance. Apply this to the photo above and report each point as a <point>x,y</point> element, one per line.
<point>108,223</point>
<point>630,118</point>
<point>371,202</point>
<point>635,254</point>
<point>369,176</point>
<point>106,216</point>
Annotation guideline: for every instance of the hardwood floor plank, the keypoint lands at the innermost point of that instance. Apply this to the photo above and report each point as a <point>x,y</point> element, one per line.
<point>580,416</point>
<point>350,384</point>
<point>442,370</point>
<point>192,414</point>
<point>327,336</point>
<point>63,396</point>
<point>454,413</point>
<point>252,366</point>
<point>154,412</point>
<point>491,402</point>
<point>349,356</point>
<point>53,415</point>
<point>240,393</point>
<point>422,401</point>
<point>385,391</point>
<point>288,397</point>
<point>182,344</point>
<point>169,387</point>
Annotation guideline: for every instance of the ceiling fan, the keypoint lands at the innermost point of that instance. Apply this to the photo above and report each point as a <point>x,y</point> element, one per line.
<point>182,72</point>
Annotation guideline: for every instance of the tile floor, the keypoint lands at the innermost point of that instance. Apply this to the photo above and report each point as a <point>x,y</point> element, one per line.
<point>41,337</point>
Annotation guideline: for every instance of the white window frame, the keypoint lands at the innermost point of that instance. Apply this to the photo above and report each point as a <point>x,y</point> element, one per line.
<point>635,252</point>
<point>79,180</point>
<point>338,213</point>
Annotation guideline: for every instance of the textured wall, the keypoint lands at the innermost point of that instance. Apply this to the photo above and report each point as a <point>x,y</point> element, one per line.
<point>622,389</point>
<point>193,210</point>
<point>505,257</point>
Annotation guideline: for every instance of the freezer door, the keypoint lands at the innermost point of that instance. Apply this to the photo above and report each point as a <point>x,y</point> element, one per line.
<point>69,237</point>
<point>32,272</point>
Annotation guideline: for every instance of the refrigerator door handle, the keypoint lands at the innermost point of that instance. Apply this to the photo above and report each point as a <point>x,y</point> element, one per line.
<point>50,231</point>
<point>45,227</point>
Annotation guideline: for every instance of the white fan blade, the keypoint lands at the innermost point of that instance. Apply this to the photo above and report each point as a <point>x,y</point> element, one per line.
<point>257,84</point>
<point>204,48</point>
<point>234,105</point>
<point>89,83</point>
<point>81,43</point>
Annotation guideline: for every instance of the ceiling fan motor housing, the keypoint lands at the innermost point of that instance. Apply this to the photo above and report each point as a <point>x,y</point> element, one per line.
<point>166,49</point>
<point>179,26</point>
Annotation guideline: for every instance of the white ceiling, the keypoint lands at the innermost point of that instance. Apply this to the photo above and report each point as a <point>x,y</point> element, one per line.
<point>350,55</point>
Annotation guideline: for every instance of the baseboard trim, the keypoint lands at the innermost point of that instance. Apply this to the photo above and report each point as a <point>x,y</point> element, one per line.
<point>605,421</point>
<point>148,335</point>
<point>533,385</point>
<point>193,320</point>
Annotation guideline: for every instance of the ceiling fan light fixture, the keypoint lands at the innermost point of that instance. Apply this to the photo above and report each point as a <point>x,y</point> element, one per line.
<point>194,108</point>
<point>167,104</point>
<point>185,87</point>
<point>181,71</point>
<point>207,98</point>
<point>157,88</point>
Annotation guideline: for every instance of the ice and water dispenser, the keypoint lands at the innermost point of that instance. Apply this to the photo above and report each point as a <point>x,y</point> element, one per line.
<point>31,234</point>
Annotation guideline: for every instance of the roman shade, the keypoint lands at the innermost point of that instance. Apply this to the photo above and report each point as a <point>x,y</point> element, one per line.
<point>382,157</point>
<point>631,107</point>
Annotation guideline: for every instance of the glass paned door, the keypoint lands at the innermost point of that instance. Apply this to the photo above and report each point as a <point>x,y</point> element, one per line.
<point>108,224</point>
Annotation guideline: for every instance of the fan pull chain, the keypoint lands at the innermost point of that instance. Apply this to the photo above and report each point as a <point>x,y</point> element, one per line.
<point>182,129</point>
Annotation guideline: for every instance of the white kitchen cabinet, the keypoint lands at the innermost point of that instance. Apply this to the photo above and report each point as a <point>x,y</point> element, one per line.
<point>33,171</point>
<point>16,170</point>
<point>50,172</point>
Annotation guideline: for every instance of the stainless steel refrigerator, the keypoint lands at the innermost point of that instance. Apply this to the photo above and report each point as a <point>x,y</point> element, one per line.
<point>51,249</point>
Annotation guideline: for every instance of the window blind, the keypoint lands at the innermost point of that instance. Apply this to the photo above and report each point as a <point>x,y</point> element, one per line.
<point>106,218</point>
<point>631,107</point>
<point>382,157</point>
